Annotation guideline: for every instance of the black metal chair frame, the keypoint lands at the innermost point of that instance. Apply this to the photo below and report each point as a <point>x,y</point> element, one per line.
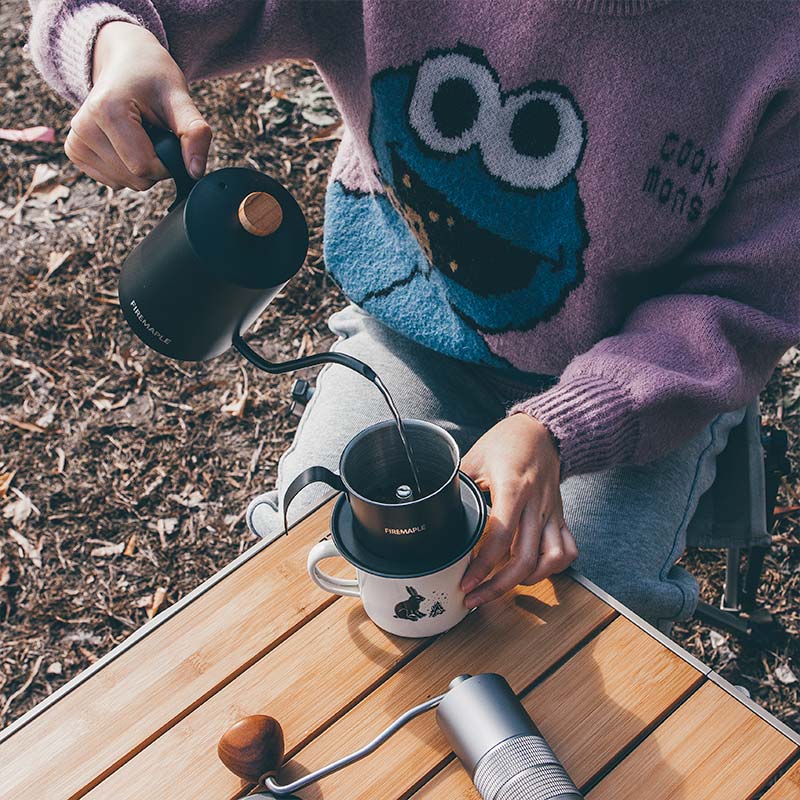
<point>738,612</point>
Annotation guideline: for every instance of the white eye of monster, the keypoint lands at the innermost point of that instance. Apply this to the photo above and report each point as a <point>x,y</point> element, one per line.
<point>538,141</point>
<point>453,99</point>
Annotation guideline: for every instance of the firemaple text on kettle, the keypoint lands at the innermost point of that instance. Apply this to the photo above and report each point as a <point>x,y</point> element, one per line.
<point>147,325</point>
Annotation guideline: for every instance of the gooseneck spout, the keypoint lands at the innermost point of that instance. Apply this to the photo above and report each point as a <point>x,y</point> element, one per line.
<point>299,363</point>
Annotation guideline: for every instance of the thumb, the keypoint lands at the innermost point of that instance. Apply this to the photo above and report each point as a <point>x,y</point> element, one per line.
<point>187,123</point>
<point>472,465</point>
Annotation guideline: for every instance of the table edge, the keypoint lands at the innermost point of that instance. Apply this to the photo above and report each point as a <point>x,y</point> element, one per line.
<point>262,544</point>
<point>146,629</point>
<point>707,672</point>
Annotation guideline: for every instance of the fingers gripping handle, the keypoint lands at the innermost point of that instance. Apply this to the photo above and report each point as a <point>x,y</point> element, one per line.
<point>327,549</point>
<point>168,149</point>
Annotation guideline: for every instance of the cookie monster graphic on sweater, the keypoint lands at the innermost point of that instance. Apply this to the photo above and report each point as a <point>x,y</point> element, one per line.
<point>480,229</point>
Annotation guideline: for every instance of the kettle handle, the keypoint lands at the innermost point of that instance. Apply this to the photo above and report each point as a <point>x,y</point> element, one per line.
<point>168,149</point>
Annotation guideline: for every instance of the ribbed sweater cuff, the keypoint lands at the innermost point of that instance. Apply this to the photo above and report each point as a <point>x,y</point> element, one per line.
<point>71,44</point>
<point>592,419</point>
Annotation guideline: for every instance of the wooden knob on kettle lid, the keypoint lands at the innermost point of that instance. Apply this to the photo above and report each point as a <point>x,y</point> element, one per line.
<point>252,747</point>
<point>260,214</point>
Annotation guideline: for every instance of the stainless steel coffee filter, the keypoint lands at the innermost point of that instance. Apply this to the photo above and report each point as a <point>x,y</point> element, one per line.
<point>374,464</point>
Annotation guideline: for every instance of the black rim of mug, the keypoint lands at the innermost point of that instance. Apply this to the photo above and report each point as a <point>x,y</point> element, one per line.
<point>479,513</point>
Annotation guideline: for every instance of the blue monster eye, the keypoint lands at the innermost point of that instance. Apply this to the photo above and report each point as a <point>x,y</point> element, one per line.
<point>453,104</point>
<point>535,129</point>
<point>455,107</point>
<point>531,139</point>
<point>538,140</point>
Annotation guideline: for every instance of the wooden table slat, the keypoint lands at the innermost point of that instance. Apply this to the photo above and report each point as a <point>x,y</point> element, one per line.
<point>595,705</point>
<point>520,638</point>
<point>128,703</point>
<point>305,683</point>
<point>788,787</point>
<point>628,713</point>
<point>712,747</point>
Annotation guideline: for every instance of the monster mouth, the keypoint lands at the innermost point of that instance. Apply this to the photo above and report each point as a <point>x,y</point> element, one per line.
<point>468,254</point>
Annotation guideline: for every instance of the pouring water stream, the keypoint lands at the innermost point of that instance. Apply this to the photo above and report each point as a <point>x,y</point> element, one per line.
<point>346,361</point>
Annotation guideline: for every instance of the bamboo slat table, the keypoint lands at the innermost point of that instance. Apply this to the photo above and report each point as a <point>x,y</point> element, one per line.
<point>629,713</point>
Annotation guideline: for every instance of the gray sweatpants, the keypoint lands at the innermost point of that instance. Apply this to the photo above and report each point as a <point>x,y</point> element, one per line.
<point>629,522</point>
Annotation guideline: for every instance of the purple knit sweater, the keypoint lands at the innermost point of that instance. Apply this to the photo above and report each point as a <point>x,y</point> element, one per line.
<point>604,190</point>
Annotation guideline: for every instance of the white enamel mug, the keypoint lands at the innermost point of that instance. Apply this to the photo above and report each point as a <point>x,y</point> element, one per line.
<point>406,606</point>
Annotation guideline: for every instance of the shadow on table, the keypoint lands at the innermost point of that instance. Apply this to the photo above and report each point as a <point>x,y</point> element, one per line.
<point>573,733</point>
<point>295,769</point>
<point>591,739</point>
<point>384,649</point>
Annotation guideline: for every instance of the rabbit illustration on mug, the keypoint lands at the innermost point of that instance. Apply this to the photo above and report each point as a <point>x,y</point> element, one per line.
<point>409,609</point>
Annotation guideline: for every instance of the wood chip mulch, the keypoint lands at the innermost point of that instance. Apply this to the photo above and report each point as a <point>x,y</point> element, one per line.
<point>124,476</point>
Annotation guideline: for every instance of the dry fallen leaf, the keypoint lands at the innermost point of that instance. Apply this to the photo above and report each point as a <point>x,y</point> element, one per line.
<point>5,574</point>
<point>145,601</point>
<point>54,669</point>
<point>33,553</point>
<point>782,511</point>
<point>46,419</point>
<point>38,133</point>
<point>19,510</point>
<point>236,407</point>
<point>194,500</point>
<point>44,175</point>
<point>785,675</point>
<point>5,482</point>
<point>106,402</point>
<point>56,260</point>
<point>158,599</point>
<point>130,547</point>
<point>789,357</point>
<point>108,550</point>
<point>32,427</point>
<point>167,525</point>
<point>50,194</point>
<point>329,133</point>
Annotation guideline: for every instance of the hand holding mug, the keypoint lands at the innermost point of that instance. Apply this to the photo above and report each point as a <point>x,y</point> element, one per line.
<point>527,538</point>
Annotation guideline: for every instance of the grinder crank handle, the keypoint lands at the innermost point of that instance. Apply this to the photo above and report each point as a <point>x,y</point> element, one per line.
<point>254,747</point>
<point>483,721</point>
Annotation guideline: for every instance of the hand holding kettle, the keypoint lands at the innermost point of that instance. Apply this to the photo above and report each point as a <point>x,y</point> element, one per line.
<point>135,81</point>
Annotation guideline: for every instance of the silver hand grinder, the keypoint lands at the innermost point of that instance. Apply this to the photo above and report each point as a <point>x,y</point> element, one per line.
<point>482,719</point>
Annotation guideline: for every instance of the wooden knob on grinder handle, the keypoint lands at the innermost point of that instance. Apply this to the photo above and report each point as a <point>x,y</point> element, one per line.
<point>260,214</point>
<point>252,747</point>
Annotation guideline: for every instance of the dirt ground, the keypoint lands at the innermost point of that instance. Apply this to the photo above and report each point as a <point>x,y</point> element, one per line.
<point>124,476</point>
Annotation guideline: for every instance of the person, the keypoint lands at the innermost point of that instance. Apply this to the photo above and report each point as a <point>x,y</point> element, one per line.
<point>569,233</point>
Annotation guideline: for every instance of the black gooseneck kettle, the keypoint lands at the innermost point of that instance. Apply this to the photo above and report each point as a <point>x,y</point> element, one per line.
<point>201,277</point>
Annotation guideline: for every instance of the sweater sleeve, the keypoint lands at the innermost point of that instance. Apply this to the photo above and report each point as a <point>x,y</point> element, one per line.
<point>706,347</point>
<point>205,37</point>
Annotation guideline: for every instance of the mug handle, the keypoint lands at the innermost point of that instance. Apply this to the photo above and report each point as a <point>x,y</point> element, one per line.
<point>168,149</point>
<point>344,586</point>
<point>307,476</point>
